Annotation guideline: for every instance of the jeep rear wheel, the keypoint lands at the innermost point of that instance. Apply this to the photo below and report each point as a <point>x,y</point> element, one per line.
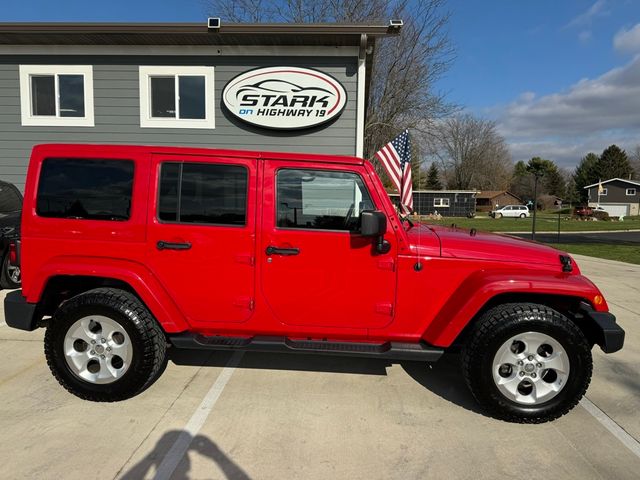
<point>103,345</point>
<point>527,363</point>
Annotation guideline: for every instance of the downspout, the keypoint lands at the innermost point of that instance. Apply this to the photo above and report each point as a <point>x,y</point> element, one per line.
<point>360,105</point>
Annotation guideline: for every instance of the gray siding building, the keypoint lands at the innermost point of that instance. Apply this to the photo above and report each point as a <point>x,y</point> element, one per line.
<point>448,203</point>
<point>619,197</point>
<point>162,84</point>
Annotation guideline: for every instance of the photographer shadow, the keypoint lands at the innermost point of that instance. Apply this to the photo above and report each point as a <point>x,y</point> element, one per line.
<point>152,466</point>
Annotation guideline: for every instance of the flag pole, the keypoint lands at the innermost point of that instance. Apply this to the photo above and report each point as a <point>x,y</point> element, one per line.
<point>400,209</point>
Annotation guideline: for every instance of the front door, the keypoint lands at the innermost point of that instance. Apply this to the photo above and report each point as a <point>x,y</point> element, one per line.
<point>316,269</point>
<point>201,241</point>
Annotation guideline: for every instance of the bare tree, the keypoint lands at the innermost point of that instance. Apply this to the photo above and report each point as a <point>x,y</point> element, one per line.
<point>472,153</point>
<point>405,68</point>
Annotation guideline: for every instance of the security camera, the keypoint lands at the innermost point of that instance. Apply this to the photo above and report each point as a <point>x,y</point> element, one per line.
<point>213,23</point>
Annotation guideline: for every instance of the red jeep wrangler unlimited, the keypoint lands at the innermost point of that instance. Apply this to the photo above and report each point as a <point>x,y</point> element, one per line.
<point>127,250</point>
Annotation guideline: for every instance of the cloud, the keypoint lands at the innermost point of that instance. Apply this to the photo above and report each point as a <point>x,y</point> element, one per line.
<point>585,36</point>
<point>585,18</point>
<point>589,116</point>
<point>628,40</point>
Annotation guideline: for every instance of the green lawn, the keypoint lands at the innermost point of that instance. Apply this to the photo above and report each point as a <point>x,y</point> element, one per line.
<point>544,223</point>
<point>621,253</point>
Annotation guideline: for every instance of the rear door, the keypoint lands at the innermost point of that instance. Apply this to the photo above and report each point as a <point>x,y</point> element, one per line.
<point>316,270</point>
<point>201,242</point>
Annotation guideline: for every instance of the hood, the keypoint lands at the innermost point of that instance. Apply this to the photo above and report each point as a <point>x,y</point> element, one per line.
<point>423,240</point>
<point>462,243</point>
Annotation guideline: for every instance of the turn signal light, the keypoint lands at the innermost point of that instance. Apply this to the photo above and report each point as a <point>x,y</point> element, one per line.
<point>598,300</point>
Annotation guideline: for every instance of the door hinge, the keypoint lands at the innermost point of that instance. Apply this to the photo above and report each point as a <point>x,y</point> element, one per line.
<point>244,302</point>
<point>387,264</point>
<point>245,258</point>
<point>384,308</point>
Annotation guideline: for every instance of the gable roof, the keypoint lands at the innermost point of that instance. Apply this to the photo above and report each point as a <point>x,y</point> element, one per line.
<point>632,182</point>
<point>489,194</point>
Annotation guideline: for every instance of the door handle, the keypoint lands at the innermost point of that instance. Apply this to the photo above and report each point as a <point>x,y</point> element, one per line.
<point>162,245</point>
<point>271,250</point>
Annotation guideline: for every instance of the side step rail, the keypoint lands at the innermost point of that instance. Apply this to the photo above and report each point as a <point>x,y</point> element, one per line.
<point>390,350</point>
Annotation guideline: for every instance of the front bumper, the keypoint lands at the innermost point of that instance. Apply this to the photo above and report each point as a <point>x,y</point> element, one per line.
<point>603,328</point>
<point>18,313</point>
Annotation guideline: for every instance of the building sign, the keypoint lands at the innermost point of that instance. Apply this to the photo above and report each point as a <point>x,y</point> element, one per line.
<point>284,97</point>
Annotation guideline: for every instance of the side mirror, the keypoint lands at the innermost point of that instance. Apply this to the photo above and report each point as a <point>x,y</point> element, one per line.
<point>373,223</point>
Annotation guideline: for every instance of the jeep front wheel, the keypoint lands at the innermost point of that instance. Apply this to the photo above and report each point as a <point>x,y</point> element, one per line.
<point>527,363</point>
<point>103,345</point>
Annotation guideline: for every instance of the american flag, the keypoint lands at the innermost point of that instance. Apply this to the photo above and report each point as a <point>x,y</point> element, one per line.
<point>396,159</point>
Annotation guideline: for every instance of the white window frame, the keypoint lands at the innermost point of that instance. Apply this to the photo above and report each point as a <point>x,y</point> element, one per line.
<point>631,190</point>
<point>438,202</point>
<point>28,119</point>
<point>605,191</point>
<point>147,121</point>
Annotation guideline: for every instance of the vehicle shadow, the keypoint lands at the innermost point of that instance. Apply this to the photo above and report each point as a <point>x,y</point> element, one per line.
<point>444,377</point>
<point>200,444</point>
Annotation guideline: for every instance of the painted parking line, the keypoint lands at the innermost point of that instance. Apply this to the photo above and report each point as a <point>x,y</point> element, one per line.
<point>617,431</point>
<point>181,445</point>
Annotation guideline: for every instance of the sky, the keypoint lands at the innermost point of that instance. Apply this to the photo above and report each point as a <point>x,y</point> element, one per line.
<point>561,78</point>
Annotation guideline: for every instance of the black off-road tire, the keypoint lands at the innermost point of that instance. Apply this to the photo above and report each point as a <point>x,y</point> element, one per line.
<point>147,339</point>
<point>498,325</point>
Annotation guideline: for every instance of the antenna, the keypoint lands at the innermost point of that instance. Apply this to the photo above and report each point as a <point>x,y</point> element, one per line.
<point>418,265</point>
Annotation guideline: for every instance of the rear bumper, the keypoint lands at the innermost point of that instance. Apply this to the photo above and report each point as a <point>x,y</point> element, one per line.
<point>18,313</point>
<point>604,329</point>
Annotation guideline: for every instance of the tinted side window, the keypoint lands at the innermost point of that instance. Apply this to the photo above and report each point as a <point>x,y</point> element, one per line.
<point>91,189</point>
<point>203,193</point>
<point>322,200</point>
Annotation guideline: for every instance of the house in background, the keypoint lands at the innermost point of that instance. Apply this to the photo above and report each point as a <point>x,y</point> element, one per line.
<point>448,203</point>
<point>619,197</point>
<point>490,199</point>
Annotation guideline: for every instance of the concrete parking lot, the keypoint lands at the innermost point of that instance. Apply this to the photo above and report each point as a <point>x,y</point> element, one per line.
<point>266,416</point>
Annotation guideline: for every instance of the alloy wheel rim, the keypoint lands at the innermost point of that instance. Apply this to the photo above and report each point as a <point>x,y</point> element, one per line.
<point>530,368</point>
<point>98,349</point>
<point>14,273</point>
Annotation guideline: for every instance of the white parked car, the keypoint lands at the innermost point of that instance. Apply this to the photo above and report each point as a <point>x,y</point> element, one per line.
<point>516,211</point>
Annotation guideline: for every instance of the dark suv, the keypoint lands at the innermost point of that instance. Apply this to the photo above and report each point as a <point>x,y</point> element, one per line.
<point>10,211</point>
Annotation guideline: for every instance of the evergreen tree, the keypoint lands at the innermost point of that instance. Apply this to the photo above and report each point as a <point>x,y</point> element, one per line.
<point>521,182</point>
<point>613,163</point>
<point>433,178</point>
<point>586,173</point>
<point>554,182</point>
